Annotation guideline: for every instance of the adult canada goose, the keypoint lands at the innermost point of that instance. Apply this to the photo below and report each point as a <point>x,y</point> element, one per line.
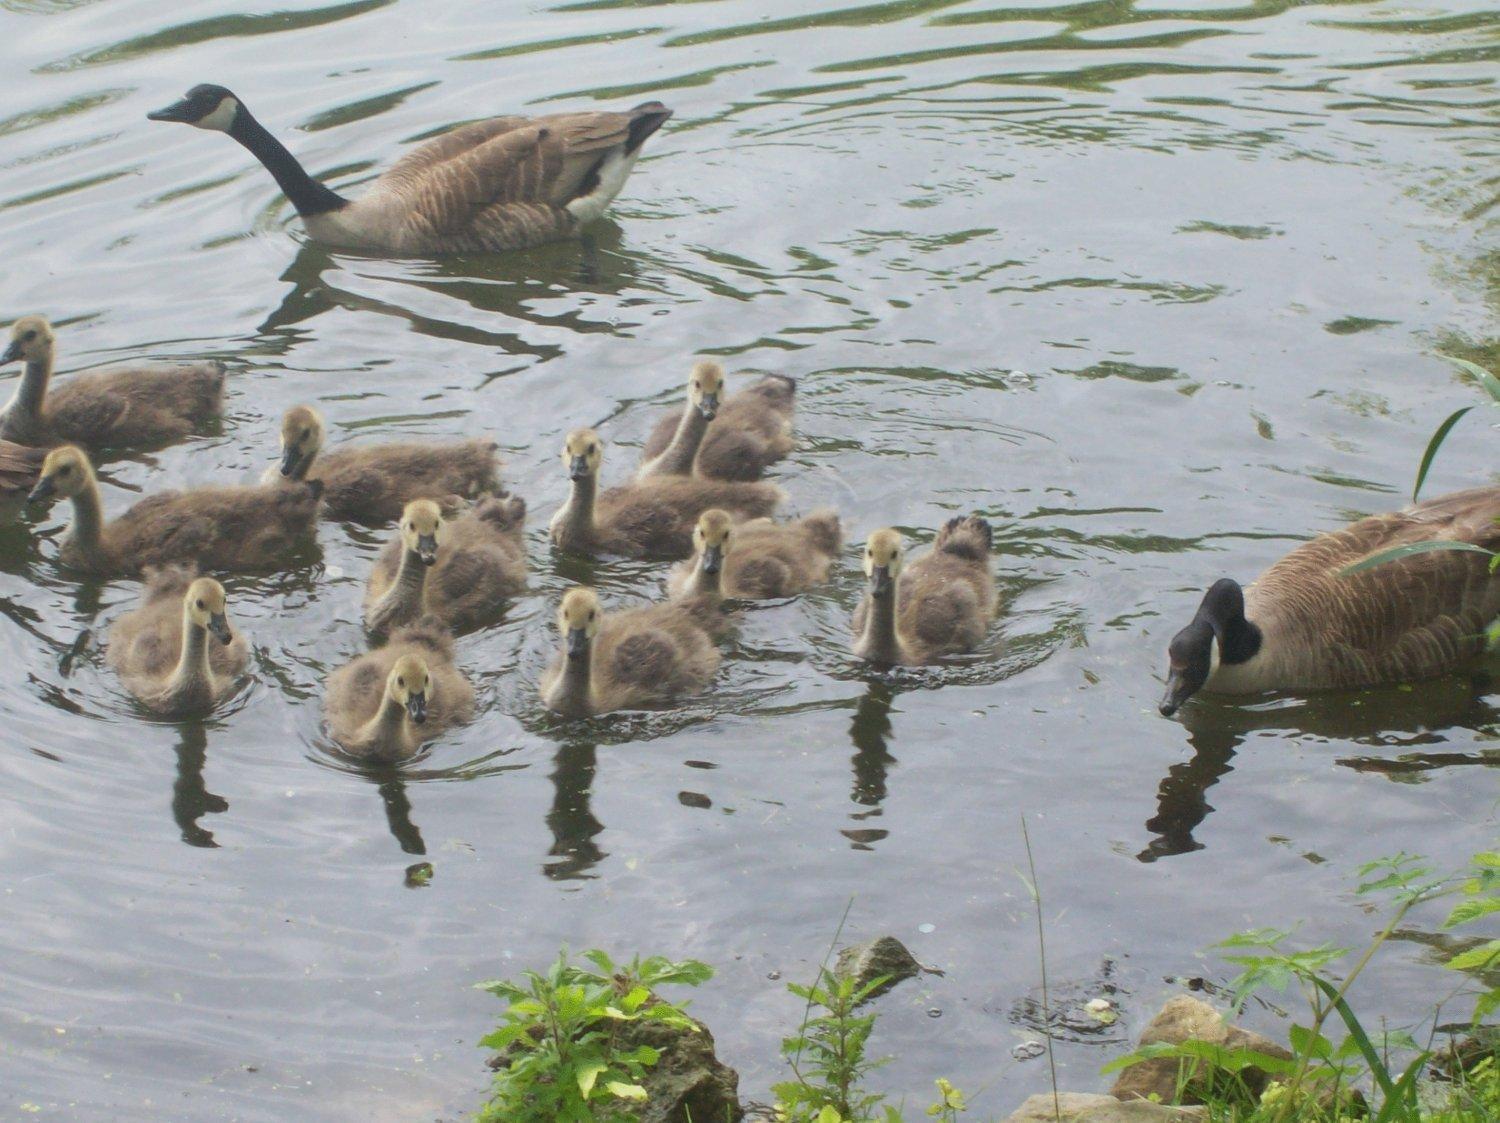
<point>388,703</point>
<point>461,572</point>
<point>225,528</point>
<point>643,657</point>
<point>111,408</point>
<point>651,518</point>
<point>372,483</point>
<point>1306,625</point>
<point>757,560</point>
<point>940,604</point>
<point>497,184</point>
<point>177,653</point>
<point>735,439</point>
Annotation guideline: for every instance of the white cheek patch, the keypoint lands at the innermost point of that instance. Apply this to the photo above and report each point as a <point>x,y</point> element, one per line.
<point>222,118</point>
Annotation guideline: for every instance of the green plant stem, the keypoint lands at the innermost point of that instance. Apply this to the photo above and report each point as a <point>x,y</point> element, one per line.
<point>1041,941</point>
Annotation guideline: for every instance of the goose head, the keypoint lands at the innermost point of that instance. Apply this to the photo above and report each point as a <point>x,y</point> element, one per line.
<point>578,619</point>
<point>65,473</point>
<point>711,539</point>
<point>421,523</point>
<point>302,433</point>
<point>203,604</point>
<point>204,107</point>
<point>583,452</point>
<point>407,686</point>
<point>1193,653</point>
<point>706,388</point>
<point>884,557</point>
<point>30,339</point>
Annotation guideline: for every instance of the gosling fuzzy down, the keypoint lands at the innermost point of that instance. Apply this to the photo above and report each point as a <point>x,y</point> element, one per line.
<point>939,605</point>
<point>757,560</point>
<point>141,405</point>
<point>1305,624</point>
<point>388,703</point>
<point>372,483</point>
<point>177,653</point>
<point>461,573</point>
<point>734,439</point>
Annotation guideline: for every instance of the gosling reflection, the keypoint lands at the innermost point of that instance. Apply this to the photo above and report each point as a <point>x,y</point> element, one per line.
<point>870,730</point>
<point>392,788</point>
<point>191,799</point>
<point>571,819</point>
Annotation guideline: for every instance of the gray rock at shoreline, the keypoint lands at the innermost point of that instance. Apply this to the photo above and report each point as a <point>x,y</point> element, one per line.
<point>1182,1019</point>
<point>689,1084</point>
<point>1078,1107</point>
<point>885,957</point>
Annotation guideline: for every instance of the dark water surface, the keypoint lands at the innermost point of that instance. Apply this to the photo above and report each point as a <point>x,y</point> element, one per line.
<point>1155,287</point>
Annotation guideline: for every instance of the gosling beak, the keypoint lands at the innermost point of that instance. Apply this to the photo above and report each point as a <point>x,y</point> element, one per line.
<point>1179,690</point>
<point>179,110</point>
<point>708,406</point>
<point>45,489</point>
<point>12,353</point>
<point>578,468</point>
<point>416,707</point>
<point>218,624</point>
<point>713,559</point>
<point>291,460</point>
<point>880,581</point>
<point>427,548</point>
<point>578,643</point>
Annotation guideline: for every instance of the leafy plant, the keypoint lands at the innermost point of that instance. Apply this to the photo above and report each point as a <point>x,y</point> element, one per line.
<point>561,1039</point>
<point>827,1054</point>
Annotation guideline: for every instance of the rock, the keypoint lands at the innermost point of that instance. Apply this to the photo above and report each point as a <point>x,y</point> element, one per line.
<point>689,1084</point>
<point>885,956</point>
<point>1189,1019</point>
<point>1076,1107</point>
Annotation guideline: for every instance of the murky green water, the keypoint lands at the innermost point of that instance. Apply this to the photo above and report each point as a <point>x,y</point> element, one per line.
<point>1217,243</point>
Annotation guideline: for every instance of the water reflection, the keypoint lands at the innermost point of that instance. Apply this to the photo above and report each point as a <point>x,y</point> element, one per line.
<point>191,799</point>
<point>392,787</point>
<point>870,730</point>
<point>571,818</point>
<point>1181,799</point>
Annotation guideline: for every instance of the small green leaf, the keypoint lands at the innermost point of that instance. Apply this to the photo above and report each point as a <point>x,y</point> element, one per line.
<point>624,1091</point>
<point>1434,444</point>
<point>1466,911</point>
<point>1484,956</point>
<point>587,1074</point>
<point>1486,379</point>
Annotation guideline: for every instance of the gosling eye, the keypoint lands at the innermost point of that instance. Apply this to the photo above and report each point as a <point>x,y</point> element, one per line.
<point>201,605</point>
<point>65,469</point>
<point>400,681</point>
<point>593,614</point>
<point>30,335</point>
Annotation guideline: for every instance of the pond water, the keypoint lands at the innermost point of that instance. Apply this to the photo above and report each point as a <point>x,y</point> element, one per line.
<point>1156,287</point>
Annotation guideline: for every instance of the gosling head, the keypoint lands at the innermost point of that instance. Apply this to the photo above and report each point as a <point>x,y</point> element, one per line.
<point>421,523</point>
<point>583,452</point>
<point>407,686</point>
<point>204,606</point>
<point>1193,653</point>
<point>711,539</point>
<point>30,339</point>
<point>884,557</point>
<point>706,387</point>
<point>578,621</point>
<point>65,473</point>
<point>301,438</point>
<point>204,107</point>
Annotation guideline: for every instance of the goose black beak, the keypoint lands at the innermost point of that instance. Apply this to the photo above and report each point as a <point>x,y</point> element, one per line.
<point>578,643</point>
<point>218,624</point>
<point>44,490</point>
<point>880,581</point>
<point>578,468</point>
<point>1179,690</point>
<point>713,559</point>
<point>291,460</point>
<point>181,110</point>
<point>416,707</point>
<point>708,406</point>
<point>12,353</point>
<point>427,548</point>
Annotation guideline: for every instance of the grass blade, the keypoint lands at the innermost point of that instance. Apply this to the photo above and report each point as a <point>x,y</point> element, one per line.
<point>1433,445</point>
<point>1398,552</point>
<point>1361,1039</point>
<point>1486,379</point>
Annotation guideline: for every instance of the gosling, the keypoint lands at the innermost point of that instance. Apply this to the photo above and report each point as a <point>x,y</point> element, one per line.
<point>941,605</point>
<point>736,440</point>
<point>163,653</point>
<point>757,560</point>
<point>651,518</point>
<point>643,657</point>
<point>460,572</point>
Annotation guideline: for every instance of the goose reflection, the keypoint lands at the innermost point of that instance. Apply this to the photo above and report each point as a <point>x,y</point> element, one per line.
<point>571,819</point>
<point>191,799</point>
<point>392,787</point>
<point>870,732</point>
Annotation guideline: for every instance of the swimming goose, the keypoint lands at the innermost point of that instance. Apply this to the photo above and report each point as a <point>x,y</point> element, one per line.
<point>941,604</point>
<point>163,653</point>
<point>232,529</point>
<point>1305,625</point>
<point>110,408</point>
<point>388,703</point>
<point>651,518</point>
<point>735,440</point>
<point>757,560</point>
<point>20,465</point>
<point>643,657</point>
<point>461,572</point>
<point>498,184</point>
<point>372,483</point>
